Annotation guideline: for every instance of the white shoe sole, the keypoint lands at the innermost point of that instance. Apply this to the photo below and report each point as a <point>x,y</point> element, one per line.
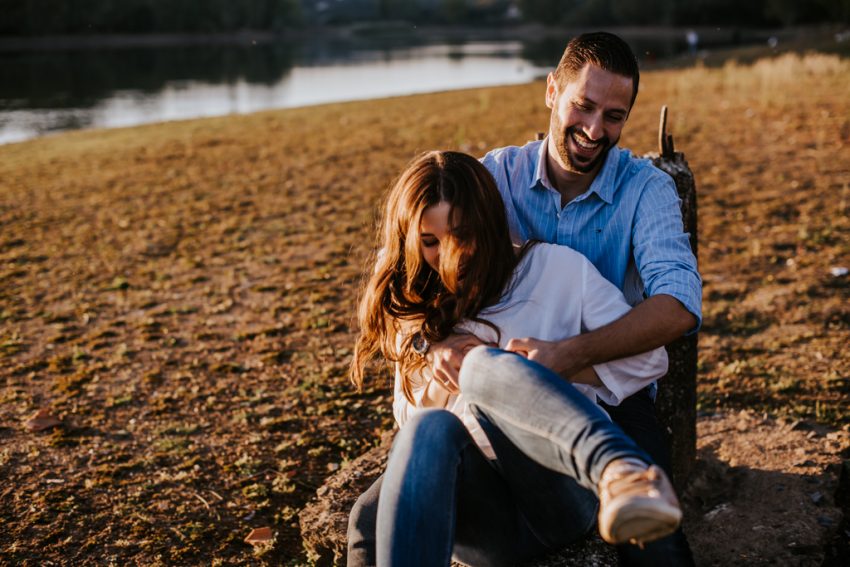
<point>642,521</point>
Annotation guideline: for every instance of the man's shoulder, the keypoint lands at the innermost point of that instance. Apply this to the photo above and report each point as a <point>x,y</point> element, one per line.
<point>632,167</point>
<point>638,174</point>
<point>511,158</point>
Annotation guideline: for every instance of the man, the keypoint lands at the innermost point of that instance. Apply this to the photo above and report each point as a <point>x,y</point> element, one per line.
<point>578,189</point>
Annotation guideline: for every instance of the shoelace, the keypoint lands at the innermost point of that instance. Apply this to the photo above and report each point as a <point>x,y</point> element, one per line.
<point>631,483</point>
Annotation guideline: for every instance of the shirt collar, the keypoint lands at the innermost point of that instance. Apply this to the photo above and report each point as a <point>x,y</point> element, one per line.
<point>603,184</point>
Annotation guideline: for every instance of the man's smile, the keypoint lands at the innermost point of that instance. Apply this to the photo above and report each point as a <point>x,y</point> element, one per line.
<point>584,143</point>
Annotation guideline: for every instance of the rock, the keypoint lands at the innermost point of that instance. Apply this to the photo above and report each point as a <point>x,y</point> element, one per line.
<point>718,510</point>
<point>324,522</point>
<point>825,521</point>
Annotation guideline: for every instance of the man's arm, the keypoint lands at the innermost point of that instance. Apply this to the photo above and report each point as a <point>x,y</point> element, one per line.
<point>655,322</point>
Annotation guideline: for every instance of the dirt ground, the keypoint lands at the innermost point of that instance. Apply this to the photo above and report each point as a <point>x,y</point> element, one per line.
<point>180,298</point>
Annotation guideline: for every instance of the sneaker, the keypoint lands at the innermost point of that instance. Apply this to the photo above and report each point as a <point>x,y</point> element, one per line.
<point>637,505</point>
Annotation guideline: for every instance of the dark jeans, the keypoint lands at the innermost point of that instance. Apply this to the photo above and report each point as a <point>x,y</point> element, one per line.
<point>533,501</point>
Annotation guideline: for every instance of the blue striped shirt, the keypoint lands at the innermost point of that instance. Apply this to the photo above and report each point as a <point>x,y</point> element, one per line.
<point>628,223</point>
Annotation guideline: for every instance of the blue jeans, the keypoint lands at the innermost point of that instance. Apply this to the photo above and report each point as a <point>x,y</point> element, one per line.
<point>440,497</point>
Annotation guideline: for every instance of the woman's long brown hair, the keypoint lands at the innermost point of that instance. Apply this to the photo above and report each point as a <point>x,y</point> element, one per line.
<point>403,294</point>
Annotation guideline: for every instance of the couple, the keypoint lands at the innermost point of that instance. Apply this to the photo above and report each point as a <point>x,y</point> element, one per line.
<point>506,454</point>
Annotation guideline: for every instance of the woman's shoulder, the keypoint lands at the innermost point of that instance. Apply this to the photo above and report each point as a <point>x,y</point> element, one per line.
<point>546,265</point>
<point>554,256</point>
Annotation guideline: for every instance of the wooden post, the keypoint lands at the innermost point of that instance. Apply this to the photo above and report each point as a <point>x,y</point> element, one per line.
<point>677,392</point>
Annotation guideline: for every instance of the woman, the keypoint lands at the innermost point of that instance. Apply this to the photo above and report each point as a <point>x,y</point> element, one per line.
<point>511,461</point>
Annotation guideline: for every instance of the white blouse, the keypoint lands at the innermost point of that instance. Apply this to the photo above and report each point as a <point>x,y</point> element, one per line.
<point>555,293</point>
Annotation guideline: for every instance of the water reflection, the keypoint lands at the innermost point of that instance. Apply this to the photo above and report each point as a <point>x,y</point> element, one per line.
<point>44,92</point>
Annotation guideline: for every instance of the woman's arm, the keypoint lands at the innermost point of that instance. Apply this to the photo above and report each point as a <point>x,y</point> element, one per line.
<point>427,393</point>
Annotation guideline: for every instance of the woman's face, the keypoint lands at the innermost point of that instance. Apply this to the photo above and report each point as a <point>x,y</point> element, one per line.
<point>434,230</point>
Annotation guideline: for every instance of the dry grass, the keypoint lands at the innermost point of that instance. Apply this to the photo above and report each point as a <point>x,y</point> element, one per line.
<point>181,296</point>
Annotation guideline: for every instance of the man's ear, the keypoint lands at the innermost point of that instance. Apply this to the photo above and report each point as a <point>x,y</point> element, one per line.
<point>551,90</point>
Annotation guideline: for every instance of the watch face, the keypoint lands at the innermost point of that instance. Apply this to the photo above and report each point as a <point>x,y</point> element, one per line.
<point>420,344</point>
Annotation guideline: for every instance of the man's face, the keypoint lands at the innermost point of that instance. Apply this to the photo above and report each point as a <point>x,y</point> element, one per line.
<point>588,115</point>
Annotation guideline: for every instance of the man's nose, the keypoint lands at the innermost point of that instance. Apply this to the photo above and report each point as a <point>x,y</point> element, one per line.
<point>593,127</point>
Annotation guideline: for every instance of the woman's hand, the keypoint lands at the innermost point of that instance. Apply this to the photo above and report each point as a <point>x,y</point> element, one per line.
<point>446,357</point>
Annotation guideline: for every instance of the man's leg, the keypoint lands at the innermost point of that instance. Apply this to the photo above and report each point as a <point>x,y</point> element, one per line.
<point>636,416</point>
<point>362,527</point>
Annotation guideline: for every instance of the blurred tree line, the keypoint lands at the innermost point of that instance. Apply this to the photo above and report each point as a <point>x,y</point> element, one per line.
<point>45,17</point>
<point>753,13</point>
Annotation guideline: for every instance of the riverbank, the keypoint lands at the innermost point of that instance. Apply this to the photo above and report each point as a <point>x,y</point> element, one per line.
<point>180,297</point>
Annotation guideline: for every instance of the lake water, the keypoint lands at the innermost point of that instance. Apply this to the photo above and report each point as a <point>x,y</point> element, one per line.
<point>43,92</point>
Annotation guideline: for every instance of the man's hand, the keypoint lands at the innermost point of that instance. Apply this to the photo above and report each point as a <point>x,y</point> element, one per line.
<point>556,356</point>
<point>542,352</point>
<point>446,357</point>
<point>655,322</point>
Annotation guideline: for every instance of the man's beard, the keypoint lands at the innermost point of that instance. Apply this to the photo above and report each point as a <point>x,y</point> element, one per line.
<point>563,147</point>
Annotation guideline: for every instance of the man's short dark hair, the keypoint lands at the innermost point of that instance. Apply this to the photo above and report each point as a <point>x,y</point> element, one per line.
<point>603,49</point>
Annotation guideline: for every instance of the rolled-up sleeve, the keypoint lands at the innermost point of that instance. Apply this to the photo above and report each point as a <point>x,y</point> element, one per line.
<point>662,249</point>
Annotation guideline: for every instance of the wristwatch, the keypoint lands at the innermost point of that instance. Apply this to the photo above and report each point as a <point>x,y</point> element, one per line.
<point>420,344</point>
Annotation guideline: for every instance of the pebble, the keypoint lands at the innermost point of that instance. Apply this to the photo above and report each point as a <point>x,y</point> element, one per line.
<point>825,521</point>
<point>816,496</point>
<point>717,510</point>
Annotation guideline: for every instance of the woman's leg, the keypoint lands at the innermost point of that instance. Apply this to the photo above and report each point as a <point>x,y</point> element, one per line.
<point>543,415</point>
<point>440,496</point>
<point>523,405</point>
<point>416,516</point>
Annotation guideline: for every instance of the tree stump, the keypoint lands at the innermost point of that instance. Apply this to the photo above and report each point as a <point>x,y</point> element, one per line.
<point>676,404</point>
<point>324,522</point>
